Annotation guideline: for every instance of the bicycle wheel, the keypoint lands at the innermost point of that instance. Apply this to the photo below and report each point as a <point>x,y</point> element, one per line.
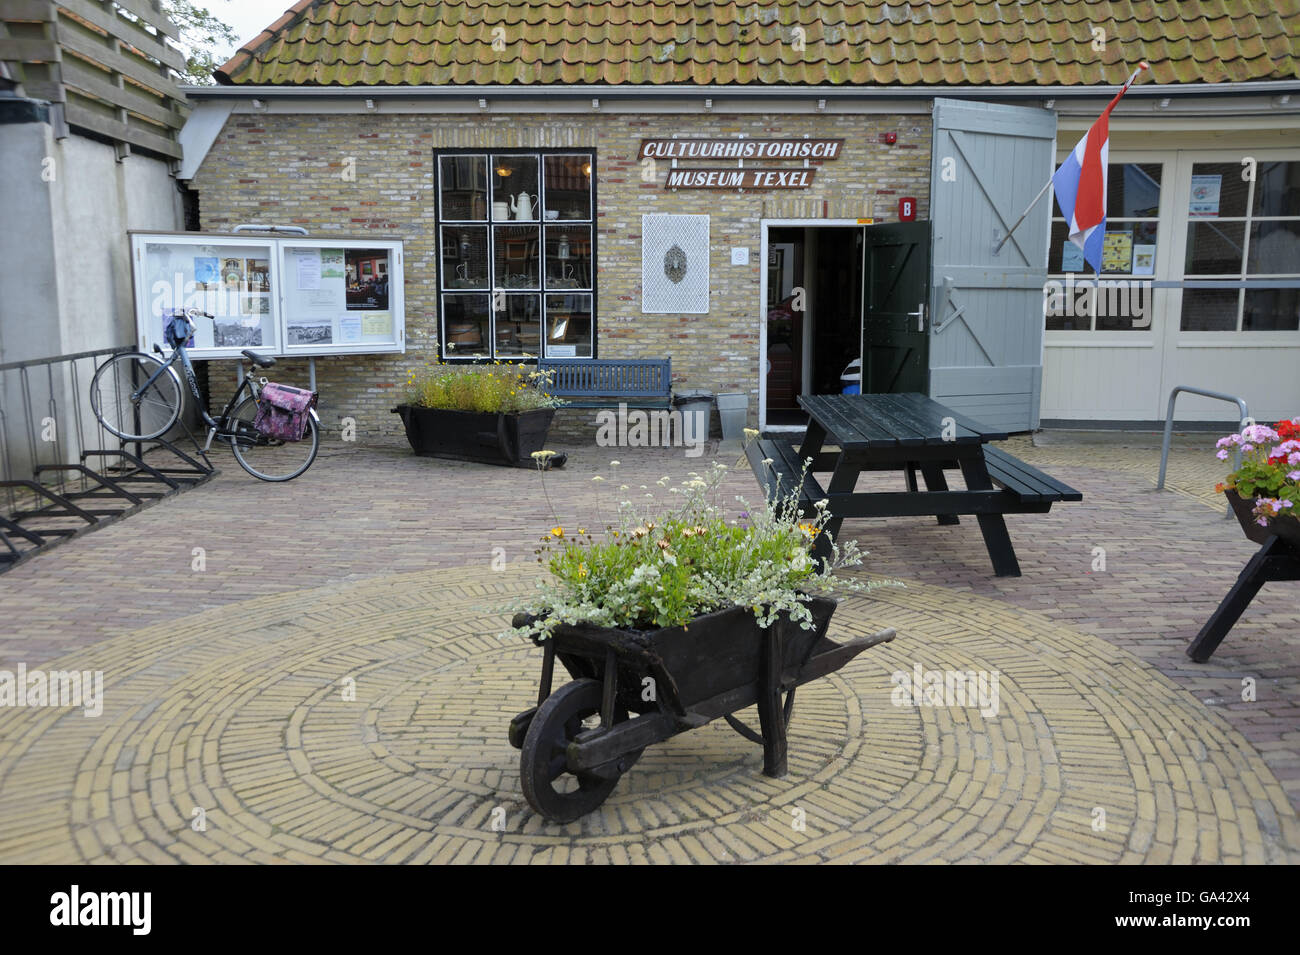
<point>269,458</point>
<point>147,415</point>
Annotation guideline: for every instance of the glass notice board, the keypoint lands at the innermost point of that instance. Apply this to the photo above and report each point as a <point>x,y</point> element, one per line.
<point>340,295</point>
<point>280,296</point>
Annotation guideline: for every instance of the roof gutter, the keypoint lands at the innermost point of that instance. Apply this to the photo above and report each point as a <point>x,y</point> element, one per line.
<point>528,91</point>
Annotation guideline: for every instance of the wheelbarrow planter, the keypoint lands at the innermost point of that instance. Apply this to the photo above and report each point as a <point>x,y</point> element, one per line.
<point>648,686</point>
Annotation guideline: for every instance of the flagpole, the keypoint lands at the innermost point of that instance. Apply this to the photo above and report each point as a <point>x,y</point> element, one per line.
<point>1041,192</point>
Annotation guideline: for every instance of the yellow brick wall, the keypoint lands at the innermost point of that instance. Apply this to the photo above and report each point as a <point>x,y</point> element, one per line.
<point>290,169</point>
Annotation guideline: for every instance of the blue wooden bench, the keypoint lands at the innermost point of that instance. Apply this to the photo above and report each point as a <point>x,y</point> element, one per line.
<point>609,382</point>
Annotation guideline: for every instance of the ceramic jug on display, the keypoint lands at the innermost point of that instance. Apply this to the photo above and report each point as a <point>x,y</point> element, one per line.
<point>522,206</point>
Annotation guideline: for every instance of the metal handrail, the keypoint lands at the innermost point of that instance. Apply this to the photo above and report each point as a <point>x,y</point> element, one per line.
<point>1169,426</point>
<point>255,227</point>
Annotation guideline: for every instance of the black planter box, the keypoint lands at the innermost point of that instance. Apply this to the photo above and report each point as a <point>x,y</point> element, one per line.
<point>488,438</point>
<point>1287,528</point>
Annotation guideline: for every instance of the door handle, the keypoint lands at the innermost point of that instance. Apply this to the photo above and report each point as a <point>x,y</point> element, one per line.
<point>920,317</point>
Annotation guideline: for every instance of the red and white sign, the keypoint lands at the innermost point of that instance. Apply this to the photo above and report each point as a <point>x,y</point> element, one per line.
<point>907,209</point>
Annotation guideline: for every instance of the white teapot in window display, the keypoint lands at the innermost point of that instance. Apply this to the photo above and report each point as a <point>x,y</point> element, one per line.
<point>522,206</point>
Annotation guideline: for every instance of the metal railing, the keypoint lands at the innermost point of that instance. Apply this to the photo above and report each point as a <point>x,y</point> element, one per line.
<point>1169,426</point>
<point>60,472</point>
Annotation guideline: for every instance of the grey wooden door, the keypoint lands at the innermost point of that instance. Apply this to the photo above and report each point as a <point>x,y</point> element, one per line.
<point>986,336</point>
<point>895,296</point>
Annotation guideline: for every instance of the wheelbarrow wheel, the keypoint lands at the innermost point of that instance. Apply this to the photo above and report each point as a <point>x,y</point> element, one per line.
<point>550,788</point>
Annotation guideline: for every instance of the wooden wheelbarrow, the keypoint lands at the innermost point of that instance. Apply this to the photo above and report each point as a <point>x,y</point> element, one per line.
<point>633,688</point>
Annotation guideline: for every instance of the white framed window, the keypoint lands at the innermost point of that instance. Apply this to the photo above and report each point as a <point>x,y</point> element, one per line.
<point>1243,227</point>
<point>1131,244</point>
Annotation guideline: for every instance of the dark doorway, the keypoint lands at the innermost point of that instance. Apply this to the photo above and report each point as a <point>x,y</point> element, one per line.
<point>814,324</point>
<point>836,285</point>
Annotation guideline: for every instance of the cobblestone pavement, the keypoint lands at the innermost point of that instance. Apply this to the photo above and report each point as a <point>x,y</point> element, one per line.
<point>222,684</point>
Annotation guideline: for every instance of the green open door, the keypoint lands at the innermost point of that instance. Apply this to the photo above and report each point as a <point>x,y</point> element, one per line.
<point>895,293</point>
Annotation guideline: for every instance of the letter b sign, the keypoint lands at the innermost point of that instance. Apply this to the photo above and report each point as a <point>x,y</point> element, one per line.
<point>907,209</point>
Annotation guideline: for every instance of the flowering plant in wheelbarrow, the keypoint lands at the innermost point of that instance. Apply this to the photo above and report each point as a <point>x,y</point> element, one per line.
<point>674,615</point>
<point>1264,489</point>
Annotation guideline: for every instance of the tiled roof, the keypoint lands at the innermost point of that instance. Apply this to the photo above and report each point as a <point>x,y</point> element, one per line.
<point>735,42</point>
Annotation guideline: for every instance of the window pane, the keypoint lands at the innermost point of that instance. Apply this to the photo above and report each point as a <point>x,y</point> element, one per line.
<point>1129,248</point>
<point>1272,310</point>
<point>518,327</point>
<point>514,188</point>
<point>568,326</point>
<point>1214,248</point>
<point>464,257</point>
<point>517,256</point>
<point>1064,256</point>
<point>467,321</point>
<point>568,187</point>
<point>1217,190</point>
<point>1277,189</point>
<point>1274,248</point>
<point>464,187</point>
<point>568,256</point>
<point>1133,190</point>
<point>1210,310</point>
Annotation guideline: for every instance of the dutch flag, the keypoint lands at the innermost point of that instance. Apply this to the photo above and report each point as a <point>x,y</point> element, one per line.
<point>1080,184</point>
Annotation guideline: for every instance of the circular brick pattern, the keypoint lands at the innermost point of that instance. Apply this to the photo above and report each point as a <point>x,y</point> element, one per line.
<point>227,736</point>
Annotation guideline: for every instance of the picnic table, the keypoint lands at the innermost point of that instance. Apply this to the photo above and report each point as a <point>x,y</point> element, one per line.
<point>909,433</point>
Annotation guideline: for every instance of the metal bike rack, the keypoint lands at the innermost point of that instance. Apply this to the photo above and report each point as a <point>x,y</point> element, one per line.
<point>1169,426</point>
<point>70,475</point>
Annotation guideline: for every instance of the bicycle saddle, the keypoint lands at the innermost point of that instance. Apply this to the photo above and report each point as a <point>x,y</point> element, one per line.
<point>265,361</point>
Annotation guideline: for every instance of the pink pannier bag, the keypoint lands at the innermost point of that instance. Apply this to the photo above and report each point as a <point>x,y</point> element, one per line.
<point>282,411</point>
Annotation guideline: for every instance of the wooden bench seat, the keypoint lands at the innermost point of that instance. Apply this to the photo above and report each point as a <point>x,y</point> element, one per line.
<point>1027,483</point>
<point>780,478</point>
<point>610,382</point>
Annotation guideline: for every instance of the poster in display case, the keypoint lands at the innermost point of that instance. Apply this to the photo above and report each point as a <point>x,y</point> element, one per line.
<point>282,296</point>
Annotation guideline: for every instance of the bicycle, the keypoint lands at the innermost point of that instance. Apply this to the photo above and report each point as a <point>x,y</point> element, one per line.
<point>138,397</point>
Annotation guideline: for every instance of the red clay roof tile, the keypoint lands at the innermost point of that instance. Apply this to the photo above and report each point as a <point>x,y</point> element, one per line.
<point>733,42</point>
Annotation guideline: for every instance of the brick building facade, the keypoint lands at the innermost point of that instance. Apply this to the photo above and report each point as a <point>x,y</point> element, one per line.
<point>332,119</point>
<point>353,174</point>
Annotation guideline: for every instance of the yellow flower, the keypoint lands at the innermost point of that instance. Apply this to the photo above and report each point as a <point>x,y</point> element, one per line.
<point>582,570</point>
<point>557,531</point>
<point>808,529</point>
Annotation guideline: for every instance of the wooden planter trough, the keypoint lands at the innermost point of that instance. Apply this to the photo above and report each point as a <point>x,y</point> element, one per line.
<point>488,438</point>
<point>1278,558</point>
<point>673,680</point>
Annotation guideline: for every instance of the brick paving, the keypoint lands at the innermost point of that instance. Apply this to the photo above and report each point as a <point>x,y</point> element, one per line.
<point>223,684</point>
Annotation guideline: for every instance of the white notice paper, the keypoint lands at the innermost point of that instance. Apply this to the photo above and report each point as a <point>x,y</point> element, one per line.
<point>1205,196</point>
<point>350,328</point>
<point>308,268</point>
